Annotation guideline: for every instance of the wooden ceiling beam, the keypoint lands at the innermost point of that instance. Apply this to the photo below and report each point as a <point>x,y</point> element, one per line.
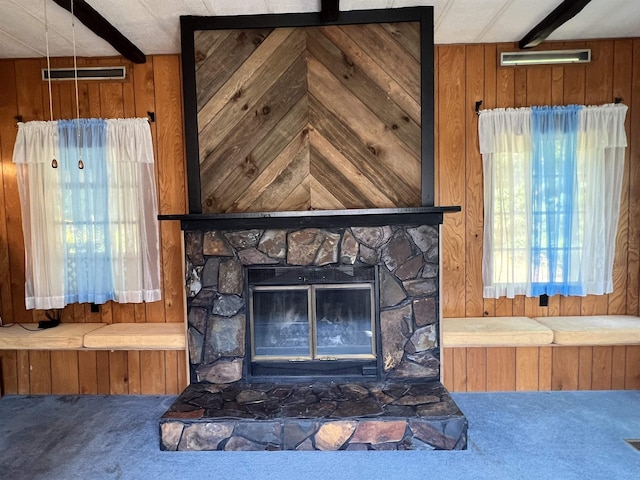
<point>563,13</point>
<point>101,27</point>
<point>329,10</point>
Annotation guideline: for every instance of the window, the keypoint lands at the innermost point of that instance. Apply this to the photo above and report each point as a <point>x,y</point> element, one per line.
<point>552,184</point>
<point>91,233</point>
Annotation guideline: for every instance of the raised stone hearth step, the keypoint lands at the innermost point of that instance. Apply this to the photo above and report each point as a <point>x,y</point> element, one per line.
<point>318,416</point>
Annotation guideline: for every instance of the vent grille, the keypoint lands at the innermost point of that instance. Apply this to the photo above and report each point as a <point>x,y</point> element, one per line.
<point>85,73</point>
<point>545,57</point>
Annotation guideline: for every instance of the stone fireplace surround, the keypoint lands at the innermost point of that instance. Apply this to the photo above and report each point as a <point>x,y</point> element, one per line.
<point>407,408</point>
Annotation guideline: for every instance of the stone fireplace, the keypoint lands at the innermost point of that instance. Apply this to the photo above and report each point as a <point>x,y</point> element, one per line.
<point>314,326</point>
<point>321,331</point>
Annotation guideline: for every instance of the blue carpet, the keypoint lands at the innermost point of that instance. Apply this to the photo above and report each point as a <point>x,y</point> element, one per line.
<point>515,435</point>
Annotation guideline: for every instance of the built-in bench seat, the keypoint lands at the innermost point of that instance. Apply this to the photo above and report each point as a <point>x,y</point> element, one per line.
<point>597,352</point>
<point>594,329</point>
<point>66,336</point>
<point>94,336</point>
<point>137,336</point>
<point>494,331</point>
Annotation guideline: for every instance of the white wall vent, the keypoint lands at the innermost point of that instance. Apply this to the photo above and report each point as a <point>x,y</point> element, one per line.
<point>545,57</point>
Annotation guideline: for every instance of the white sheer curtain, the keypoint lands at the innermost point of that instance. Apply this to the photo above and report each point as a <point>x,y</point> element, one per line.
<point>39,187</point>
<point>133,211</point>
<point>91,235</point>
<point>600,158</point>
<point>506,145</point>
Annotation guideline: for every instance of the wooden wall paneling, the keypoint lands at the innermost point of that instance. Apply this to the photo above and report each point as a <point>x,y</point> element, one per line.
<point>64,372</point>
<point>460,369</point>
<point>501,369</point>
<point>22,360</point>
<point>451,137</point>
<point>172,174</point>
<point>8,110</point>
<point>369,131</point>
<point>230,155</point>
<point>619,366</point>
<point>281,162</point>
<point>565,366</point>
<point>545,365</point>
<point>103,378</point>
<point>476,369</point>
<point>622,78</point>
<point>474,199</point>
<point>171,368</point>
<point>446,367</point>
<point>586,365</point>
<point>632,368</point>
<point>361,86</point>
<point>118,373</point>
<point>557,86</point>
<point>87,372</point>
<point>602,368</point>
<point>39,372</point>
<point>527,368</point>
<point>489,100</point>
<point>633,253</point>
<point>153,372</point>
<point>8,372</point>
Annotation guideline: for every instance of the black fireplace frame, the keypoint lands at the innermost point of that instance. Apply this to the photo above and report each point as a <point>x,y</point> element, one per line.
<point>354,370</point>
<point>190,24</point>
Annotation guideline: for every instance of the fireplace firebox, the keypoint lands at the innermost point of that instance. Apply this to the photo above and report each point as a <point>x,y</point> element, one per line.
<point>313,322</point>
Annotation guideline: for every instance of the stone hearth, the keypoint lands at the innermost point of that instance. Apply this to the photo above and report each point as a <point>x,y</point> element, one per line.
<point>226,408</point>
<point>320,416</point>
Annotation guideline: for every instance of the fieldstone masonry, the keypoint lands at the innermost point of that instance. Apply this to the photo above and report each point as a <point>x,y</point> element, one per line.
<point>407,257</point>
<point>408,409</point>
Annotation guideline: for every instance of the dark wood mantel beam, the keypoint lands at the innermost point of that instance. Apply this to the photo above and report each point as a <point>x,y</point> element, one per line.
<point>563,13</point>
<point>101,27</point>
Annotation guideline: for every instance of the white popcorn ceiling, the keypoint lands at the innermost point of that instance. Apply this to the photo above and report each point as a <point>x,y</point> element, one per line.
<point>153,25</point>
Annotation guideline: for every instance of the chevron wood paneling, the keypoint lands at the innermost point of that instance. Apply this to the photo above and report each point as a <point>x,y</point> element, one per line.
<point>309,118</point>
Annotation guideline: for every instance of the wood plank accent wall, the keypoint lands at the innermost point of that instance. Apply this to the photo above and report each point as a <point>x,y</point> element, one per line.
<point>464,74</point>
<point>301,118</point>
<point>469,73</point>
<point>154,86</point>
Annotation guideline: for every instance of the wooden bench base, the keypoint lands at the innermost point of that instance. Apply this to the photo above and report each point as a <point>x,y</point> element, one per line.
<point>544,368</point>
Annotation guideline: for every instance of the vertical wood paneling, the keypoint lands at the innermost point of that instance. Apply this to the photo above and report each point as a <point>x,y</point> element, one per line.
<point>501,369</point>
<point>473,208</point>
<point>477,369</point>
<point>633,252</point>
<point>527,368</point>
<point>565,364</point>
<point>460,369</point>
<point>451,175</point>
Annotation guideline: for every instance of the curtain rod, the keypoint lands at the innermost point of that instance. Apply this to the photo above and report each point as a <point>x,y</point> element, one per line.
<point>477,108</point>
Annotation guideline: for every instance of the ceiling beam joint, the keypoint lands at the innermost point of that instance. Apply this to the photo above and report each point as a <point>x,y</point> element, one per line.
<point>101,27</point>
<point>562,14</point>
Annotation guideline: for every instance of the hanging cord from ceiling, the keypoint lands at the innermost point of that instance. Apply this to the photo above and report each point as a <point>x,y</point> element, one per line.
<point>54,161</point>
<point>75,78</point>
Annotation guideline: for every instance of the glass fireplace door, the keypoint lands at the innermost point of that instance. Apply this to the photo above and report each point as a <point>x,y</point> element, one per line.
<point>280,323</point>
<point>312,322</point>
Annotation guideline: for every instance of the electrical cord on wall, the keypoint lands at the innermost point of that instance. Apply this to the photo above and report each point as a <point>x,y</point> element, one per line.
<point>53,320</point>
